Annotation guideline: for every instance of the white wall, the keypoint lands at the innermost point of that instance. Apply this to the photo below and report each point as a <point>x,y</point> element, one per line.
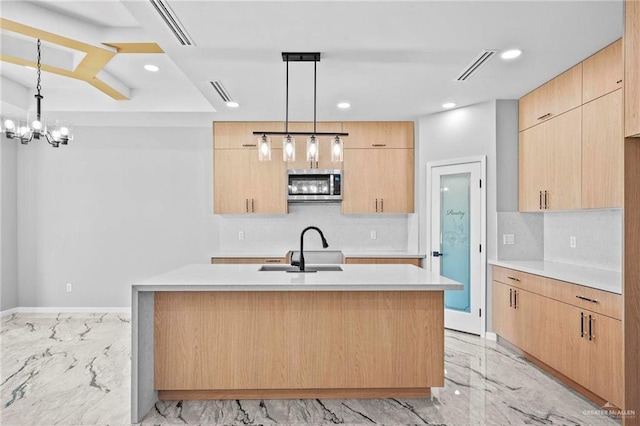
<point>115,206</point>
<point>8,224</point>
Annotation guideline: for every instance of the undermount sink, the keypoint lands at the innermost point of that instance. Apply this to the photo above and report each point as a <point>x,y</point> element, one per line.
<point>289,268</point>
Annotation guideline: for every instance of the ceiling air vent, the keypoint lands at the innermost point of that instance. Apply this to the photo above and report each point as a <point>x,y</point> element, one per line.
<point>479,61</point>
<point>221,91</point>
<point>172,21</point>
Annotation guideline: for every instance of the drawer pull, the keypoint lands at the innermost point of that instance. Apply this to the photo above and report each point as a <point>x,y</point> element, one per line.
<point>619,81</point>
<point>273,261</point>
<point>587,299</point>
<point>581,324</point>
<point>514,279</point>
<point>542,117</point>
<point>378,144</point>
<point>249,145</point>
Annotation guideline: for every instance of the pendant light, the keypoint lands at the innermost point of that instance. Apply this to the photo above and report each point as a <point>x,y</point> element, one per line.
<point>289,142</point>
<point>33,127</point>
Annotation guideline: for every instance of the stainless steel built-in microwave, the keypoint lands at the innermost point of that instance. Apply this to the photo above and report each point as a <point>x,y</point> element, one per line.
<point>314,185</point>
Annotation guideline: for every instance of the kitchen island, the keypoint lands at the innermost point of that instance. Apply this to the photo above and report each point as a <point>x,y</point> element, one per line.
<point>233,332</point>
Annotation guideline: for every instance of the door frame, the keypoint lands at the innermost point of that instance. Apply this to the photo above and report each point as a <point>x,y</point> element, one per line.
<point>482,159</point>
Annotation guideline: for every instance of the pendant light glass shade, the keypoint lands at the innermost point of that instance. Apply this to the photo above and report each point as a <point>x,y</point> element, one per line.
<point>264,148</point>
<point>312,148</point>
<point>337,150</point>
<point>289,149</point>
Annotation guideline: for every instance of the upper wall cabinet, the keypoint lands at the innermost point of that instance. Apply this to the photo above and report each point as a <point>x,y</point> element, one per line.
<point>239,134</point>
<point>381,134</point>
<point>552,98</point>
<point>632,68</point>
<point>602,73</point>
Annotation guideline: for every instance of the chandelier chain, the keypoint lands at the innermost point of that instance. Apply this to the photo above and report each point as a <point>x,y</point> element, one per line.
<point>38,85</point>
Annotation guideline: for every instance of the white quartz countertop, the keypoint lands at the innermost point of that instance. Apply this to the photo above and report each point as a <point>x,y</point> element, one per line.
<point>243,253</point>
<point>205,277</point>
<point>346,253</point>
<point>600,279</point>
<point>384,254</point>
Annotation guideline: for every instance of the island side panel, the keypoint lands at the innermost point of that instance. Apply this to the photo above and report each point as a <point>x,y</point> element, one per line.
<point>143,394</point>
<point>248,341</point>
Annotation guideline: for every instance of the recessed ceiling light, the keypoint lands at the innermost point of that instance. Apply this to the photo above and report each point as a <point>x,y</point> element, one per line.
<point>233,104</point>
<point>448,105</point>
<point>511,54</point>
<point>344,105</point>
<point>152,68</point>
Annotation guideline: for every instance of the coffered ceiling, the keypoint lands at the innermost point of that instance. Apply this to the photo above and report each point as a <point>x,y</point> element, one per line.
<point>389,59</point>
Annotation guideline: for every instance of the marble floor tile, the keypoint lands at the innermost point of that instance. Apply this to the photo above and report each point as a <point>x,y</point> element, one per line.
<point>75,370</point>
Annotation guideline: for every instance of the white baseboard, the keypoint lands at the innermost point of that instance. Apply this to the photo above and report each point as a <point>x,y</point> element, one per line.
<point>64,310</point>
<point>491,336</point>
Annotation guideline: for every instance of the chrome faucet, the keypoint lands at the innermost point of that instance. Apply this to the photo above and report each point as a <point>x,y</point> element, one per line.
<point>300,262</point>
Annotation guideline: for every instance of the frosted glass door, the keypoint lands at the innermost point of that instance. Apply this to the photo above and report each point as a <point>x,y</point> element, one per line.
<point>455,241</point>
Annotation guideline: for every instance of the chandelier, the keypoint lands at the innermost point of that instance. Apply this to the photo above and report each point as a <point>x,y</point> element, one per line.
<point>289,143</point>
<point>26,130</point>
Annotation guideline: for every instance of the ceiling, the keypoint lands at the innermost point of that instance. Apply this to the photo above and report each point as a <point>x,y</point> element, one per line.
<point>389,59</point>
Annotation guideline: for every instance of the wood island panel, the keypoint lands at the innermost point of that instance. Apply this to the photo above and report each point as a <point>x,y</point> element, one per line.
<point>360,343</point>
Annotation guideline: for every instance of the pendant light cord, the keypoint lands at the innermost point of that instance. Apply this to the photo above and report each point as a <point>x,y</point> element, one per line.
<point>315,63</point>
<point>286,123</point>
<point>38,96</point>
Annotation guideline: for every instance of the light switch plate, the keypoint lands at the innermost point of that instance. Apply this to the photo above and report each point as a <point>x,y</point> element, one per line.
<point>572,242</point>
<point>508,239</point>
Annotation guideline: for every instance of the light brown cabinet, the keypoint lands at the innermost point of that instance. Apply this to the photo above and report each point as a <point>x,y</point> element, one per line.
<point>242,184</point>
<point>378,134</point>
<point>383,260</point>
<point>602,152</point>
<point>550,164</point>
<point>553,98</point>
<point>602,73</point>
<point>632,68</point>
<point>539,316</point>
<point>378,180</point>
<point>239,134</point>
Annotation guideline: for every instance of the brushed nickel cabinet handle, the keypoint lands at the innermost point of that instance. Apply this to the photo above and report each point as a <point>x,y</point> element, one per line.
<point>376,205</point>
<point>511,298</point>
<point>252,210</point>
<point>249,145</point>
<point>514,278</point>
<point>587,299</point>
<point>378,144</point>
<point>544,116</point>
<point>591,321</point>
<point>581,324</point>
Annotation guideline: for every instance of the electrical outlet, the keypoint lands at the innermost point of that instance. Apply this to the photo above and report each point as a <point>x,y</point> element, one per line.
<point>374,235</point>
<point>572,242</point>
<point>241,235</point>
<point>69,288</point>
<point>508,239</point>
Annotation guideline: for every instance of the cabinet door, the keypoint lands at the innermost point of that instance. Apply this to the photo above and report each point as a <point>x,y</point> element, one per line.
<point>552,98</point>
<point>632,68</point>
<point>536,324</point>
<point>395,180</point>
<point>232,180</point>
<point>268,184</point>
<point>505,320</point>
<point>605,352</point>
<point>378,134</point>
<point>567,342</point>
<point>602,72</point>
<point>602,152</point>
<point>239,134</point>
<point>360,181</point>
<point>563,161</point>
<point>531,168</point>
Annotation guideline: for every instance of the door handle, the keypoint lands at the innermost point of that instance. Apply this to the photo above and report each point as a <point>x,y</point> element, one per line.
<point>591,321</point>
<point>581,324</point>
<point>540,193</point>
<point>376,205</point>
<point>546,200</point>
<point>246,205</point>
<point>252,210</point>
<point>511,298</point>
<point>382,205</point>
<point>436,254</point>
<point>515,299</point>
